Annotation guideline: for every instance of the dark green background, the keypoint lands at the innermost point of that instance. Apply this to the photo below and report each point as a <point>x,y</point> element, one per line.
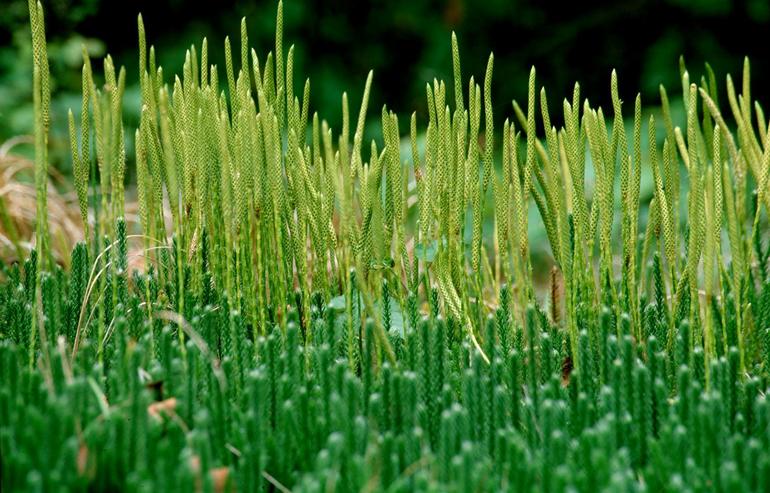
<point>406,42</point>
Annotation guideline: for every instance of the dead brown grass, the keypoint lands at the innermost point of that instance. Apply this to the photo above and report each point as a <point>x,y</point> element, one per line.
<point>17,207</point>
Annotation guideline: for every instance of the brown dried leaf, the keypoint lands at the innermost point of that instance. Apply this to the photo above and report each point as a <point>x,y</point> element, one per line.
<point>566,370</point>
<point>82,460</point>
<point>220,477</point>
<point>167,407</point>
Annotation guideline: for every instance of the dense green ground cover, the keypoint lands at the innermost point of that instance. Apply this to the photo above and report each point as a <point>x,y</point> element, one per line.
<point>313,317</point>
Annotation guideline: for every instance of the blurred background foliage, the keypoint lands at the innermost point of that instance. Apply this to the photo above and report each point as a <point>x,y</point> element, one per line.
<point>406,42</point>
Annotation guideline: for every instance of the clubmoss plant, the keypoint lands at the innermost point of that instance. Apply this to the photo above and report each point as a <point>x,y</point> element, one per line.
<point>315,311</point>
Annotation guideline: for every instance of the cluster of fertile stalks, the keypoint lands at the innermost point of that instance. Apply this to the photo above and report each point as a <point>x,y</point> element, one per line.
<point>280,206</point>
